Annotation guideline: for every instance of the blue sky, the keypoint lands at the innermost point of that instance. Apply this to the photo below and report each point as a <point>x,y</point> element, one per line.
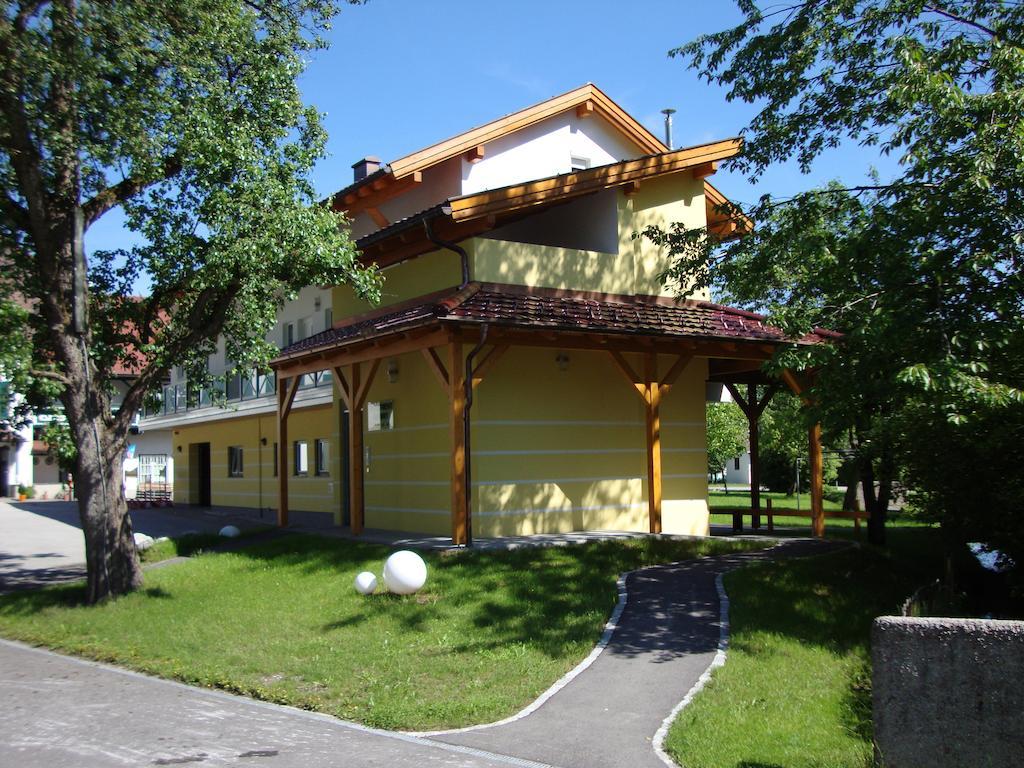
<point>403,74</point>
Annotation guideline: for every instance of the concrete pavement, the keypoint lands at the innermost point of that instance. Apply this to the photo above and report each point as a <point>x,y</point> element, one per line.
<point>61,712</point>
<point>41,541</point>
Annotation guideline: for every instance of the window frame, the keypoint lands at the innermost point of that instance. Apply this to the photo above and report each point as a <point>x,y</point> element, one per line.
<point>236,452</point>
<point>304,444</point>
<point>321,457</point>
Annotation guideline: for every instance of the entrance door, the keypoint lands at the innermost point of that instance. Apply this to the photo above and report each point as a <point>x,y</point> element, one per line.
<point>203,474</point>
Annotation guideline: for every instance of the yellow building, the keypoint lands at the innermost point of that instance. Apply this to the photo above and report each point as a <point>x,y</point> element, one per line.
<point>527,371</point>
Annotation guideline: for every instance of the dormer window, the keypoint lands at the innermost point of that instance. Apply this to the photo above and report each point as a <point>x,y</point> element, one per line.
<point>577,163</point>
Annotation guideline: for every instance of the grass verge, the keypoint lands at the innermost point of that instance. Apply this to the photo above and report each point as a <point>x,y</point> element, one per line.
<point>281,621</point>
<point>796,689</point>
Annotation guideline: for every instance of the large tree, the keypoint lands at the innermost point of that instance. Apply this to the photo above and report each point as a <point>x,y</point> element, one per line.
<point>920,270</point>
<point>186,114</point>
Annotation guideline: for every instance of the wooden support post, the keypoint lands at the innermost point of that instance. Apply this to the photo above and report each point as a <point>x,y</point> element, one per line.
<point>355,451</point>
<point>286,389</point>
<point>771,517</point>
<point>755,458</point>
<point>654,491</point>
<point>457,411</point>
<point>817,482</point>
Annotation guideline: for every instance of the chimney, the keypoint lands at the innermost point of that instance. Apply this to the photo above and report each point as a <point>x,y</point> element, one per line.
<point>668,126</point>
<point>365,167</point>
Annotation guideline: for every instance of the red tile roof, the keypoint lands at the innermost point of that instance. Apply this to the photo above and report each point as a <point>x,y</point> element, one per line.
<point>519,307</point>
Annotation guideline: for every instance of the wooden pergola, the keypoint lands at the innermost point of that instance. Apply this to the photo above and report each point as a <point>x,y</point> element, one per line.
<point>443,341</point>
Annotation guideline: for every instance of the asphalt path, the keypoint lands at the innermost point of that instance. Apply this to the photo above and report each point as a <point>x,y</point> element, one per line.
<point>667,636</point>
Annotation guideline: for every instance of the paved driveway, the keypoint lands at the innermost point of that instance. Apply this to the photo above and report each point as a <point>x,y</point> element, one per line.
<point>59,712</point>
<point>41,541</point>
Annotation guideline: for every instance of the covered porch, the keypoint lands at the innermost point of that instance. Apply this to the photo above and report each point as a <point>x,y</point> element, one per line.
<point>463,333</point>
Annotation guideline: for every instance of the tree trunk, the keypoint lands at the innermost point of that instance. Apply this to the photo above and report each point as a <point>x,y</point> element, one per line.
<point>112,562</point>
<point>876,517</point>
<point>111,559</point>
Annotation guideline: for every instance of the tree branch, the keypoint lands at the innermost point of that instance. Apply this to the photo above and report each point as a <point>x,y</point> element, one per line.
<point>51,375</point>
<point>960,20</point>
<point>127,188</point>
<point>14,212</point>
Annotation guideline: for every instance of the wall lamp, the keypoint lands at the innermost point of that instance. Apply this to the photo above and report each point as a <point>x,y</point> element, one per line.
<point>562,358</point>
<point>392,370</point>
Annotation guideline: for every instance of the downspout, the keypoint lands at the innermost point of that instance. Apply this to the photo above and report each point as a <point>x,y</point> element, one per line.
<point>456,248</point>
<point>450,246</point>
<point>466,436</point>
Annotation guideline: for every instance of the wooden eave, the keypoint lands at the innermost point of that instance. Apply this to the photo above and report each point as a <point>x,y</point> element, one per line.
<point>722,223</point>
<point>435,332</point>
<point>591,180</point>
<point>468,216</point>
<point>524,118</point>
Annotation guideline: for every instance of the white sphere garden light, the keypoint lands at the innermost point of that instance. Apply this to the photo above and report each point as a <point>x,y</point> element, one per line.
<point>366,583</point>
<point>405,573</point>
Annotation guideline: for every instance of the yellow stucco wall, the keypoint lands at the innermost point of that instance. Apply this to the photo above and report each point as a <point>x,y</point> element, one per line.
<point>257,488</point>
<point>552,450</point>
<point>430,272</point>
<point>633,269</point>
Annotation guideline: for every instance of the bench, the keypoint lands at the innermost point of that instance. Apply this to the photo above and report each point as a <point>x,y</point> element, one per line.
<point>739,512</point>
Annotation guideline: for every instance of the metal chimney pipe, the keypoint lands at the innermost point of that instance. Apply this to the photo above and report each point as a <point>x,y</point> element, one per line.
<point>668,126</point>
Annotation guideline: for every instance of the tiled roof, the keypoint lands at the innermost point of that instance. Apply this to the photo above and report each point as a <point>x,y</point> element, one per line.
<point>516,307</point>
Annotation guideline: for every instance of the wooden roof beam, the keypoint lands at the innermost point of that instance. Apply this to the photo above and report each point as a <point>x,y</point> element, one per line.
<point>704,170</point>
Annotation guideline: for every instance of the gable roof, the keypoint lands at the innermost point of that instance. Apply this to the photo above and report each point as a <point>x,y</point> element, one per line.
<point>589,98</point>
<point>586,100</point>
<point>469,215</point>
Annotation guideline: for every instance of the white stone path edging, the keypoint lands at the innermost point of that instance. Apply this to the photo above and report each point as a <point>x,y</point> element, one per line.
<point>718,661</point>
<point>609,629</point>
<point>606,636</point>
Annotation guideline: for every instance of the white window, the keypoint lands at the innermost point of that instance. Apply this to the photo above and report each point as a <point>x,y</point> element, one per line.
<point>303,329</point>
<point>380,417</point>
<point>301,458</point>
<point>287,335</point>
<point>235,468</point>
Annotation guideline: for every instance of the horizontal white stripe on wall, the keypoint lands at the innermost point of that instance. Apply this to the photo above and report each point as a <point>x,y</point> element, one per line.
<point>682,423</point>
<point>414,428</point>
<point>554,423</point>
<point>410,510</point>
<point>533,481</point>
<point>510,512</point>
<point>686,476</point>
<point>560,510</point>
<point>271,494</point>
<point>416,483</point>
<point>555,480</point>
<point>374,456</point>
<point>533,452</point>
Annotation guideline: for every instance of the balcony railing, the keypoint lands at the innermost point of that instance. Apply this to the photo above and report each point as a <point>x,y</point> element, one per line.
<point>179,398</point>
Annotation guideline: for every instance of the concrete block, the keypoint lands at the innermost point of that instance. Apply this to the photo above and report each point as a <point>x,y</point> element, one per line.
<point>948,692</point>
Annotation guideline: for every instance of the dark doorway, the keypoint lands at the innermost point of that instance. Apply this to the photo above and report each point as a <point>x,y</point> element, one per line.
<point>4,469</point>
<point>346,497</point>
<point>201,472</point>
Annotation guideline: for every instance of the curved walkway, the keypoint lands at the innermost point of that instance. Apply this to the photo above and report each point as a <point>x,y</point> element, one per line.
<point>667,636</point>
<point>61,711</point>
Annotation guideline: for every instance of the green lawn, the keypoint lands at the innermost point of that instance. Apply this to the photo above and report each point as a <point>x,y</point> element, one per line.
<point>281,621</point>
<point>796,688</point>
